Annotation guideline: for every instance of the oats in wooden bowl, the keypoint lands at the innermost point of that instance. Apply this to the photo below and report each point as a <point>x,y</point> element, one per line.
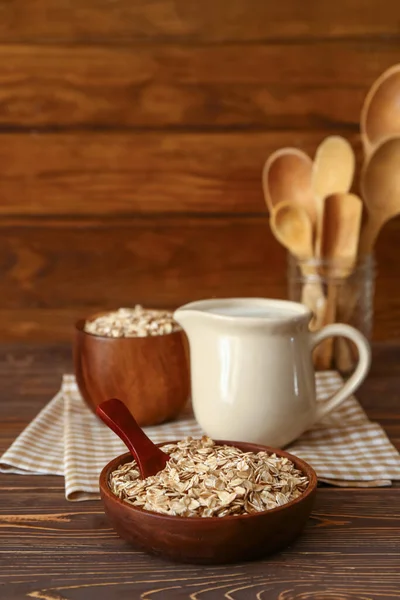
<point>132,322</point>
<point>138,355</point>
<point>257,498</point>
<point>204,479</point>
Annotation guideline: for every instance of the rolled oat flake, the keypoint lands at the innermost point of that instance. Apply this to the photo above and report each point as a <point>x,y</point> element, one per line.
<point>203,479</point>
<point>132,322</point>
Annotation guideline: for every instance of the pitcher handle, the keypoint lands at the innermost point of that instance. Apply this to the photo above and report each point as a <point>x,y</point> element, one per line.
<point>361,371</point>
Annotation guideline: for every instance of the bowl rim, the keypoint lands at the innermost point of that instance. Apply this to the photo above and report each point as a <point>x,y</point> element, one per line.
<point>301,464</point>
<point>79,328</point>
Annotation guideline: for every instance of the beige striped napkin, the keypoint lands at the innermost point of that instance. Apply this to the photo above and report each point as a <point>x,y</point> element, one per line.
<point>67,439</point>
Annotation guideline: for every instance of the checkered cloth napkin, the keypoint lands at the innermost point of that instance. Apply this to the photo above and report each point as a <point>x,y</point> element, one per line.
<point>67,439</point>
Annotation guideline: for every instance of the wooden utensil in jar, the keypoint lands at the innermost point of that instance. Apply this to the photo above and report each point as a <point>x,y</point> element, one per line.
<point>332,173</point>
<point>340,228</point>
<point>286,177</point>
<point>379,123</point>
<point>292,227</point>
<point>380,186</point>
<point>380,115</point>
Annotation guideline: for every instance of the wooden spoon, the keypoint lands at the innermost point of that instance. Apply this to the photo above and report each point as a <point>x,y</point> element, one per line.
<point>380,115</point>
<point>380,186</point>
<point>333,172</point>
<point>292,227</point>
<point>340,230</point>
<point>148,456</point>
<point>333,168</point>
<point>286,177</point>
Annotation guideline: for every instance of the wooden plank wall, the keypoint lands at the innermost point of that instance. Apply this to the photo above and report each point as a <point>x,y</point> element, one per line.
<point>132,136</point>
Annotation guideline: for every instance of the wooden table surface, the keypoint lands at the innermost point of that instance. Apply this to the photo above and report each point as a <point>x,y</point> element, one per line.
<point>52,549</point>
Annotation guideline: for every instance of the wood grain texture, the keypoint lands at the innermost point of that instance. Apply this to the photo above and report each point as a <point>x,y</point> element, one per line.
<point>113,173</point>
<point>55,550</point>
<point>317,85</point>
<point>145,109</point>
<point>56,271</point>
<point>65,263</point>
<point>189,20</point>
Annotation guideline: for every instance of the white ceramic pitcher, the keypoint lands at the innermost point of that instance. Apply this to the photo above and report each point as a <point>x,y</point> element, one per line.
<point>252,374</point>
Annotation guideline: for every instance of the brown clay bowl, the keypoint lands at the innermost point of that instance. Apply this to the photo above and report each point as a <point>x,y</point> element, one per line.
<point>149,374</point>
<point>214,540</point>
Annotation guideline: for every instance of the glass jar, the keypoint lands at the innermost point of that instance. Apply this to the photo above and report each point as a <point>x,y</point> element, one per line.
<point>336,291</point>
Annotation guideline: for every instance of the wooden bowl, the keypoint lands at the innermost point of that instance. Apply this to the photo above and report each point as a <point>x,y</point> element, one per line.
<point>149,374</point>
<point>211,540</point>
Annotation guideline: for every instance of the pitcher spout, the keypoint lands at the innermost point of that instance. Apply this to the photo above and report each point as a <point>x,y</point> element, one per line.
<point>192,316</point>
<point>185,317</point>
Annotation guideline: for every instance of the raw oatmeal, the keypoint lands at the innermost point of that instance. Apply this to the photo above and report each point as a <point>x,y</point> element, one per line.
<point>132,322</point>
<point>203,479</point>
